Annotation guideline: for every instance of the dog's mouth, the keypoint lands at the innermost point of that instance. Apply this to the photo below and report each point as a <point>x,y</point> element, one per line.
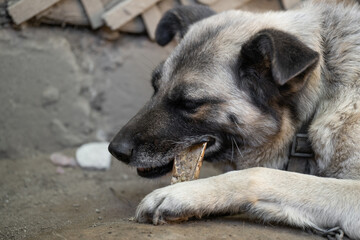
<point>158,171</point>
<point>155,172</point>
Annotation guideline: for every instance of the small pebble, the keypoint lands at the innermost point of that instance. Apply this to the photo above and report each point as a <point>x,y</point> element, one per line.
<point>97,210</point>
<point>60,159</point>
<point>50,95</point>
<point>94,156</point>
<point>99,218</point>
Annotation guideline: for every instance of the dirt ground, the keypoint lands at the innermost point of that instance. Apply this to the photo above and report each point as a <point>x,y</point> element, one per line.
<point>36,202</point>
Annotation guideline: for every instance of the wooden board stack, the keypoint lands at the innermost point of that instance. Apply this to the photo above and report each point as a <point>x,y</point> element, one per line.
<point>133,16</point>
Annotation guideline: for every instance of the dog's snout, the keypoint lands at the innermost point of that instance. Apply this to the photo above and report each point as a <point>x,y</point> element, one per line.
<point>122,149</point>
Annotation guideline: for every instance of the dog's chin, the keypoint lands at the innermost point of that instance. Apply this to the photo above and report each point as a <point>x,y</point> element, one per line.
<point>155,172</point>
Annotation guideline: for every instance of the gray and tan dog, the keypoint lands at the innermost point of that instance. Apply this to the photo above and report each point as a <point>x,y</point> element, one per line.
<point>246,83</point>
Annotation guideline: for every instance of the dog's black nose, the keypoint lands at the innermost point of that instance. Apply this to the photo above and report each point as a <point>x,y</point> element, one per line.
<point>121,149</point>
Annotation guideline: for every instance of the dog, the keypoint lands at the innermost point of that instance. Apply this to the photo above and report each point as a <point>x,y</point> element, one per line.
<point>247,83</point>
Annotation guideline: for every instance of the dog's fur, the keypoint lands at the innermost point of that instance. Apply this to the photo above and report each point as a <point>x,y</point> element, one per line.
<point>246,83</point>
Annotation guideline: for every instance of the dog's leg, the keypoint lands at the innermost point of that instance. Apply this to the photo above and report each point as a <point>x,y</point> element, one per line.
<point>272,195</point>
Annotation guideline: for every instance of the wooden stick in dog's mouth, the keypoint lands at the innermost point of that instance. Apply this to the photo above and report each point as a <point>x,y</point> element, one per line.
<point>188,163</point>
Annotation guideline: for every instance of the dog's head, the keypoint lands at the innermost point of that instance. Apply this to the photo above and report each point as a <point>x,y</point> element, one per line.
<point>229,82</point>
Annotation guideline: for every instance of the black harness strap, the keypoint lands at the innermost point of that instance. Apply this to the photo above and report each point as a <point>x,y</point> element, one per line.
<point>301,155</point>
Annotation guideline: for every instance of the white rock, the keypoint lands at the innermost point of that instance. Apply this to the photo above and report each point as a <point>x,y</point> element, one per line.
<point>94,155</point>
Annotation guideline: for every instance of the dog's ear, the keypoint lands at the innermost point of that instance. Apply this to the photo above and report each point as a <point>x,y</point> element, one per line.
<point>178,20</point>
<point>285,56</point>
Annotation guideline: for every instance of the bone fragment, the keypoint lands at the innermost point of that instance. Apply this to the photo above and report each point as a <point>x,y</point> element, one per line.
<point>188,163</point>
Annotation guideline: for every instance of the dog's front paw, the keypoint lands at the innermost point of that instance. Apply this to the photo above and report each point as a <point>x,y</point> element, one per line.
<point>172,203</point>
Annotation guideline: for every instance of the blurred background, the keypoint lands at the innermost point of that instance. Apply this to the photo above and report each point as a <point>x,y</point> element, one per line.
<point>74,72</point>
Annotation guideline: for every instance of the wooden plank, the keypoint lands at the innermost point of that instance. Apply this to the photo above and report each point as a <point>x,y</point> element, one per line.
<point>108,4</point>
<point>134,26</point>
<point>166,5</point>
<point>125,11</point>
<point>187,2</point>
<point>65,12</point>
<point>72,12</point>
<point>207,2</point>
<point>224,5</point>
<point>26,9</point>
<point>94,10</point>
<point>151,19</point>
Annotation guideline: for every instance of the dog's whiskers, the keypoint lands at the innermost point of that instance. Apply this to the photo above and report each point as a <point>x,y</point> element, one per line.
<point>237,147</point>
<point>237,125</point>
<point>232,149</point>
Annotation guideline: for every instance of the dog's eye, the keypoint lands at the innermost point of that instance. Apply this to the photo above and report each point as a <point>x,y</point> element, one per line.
<point>190,105</point>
